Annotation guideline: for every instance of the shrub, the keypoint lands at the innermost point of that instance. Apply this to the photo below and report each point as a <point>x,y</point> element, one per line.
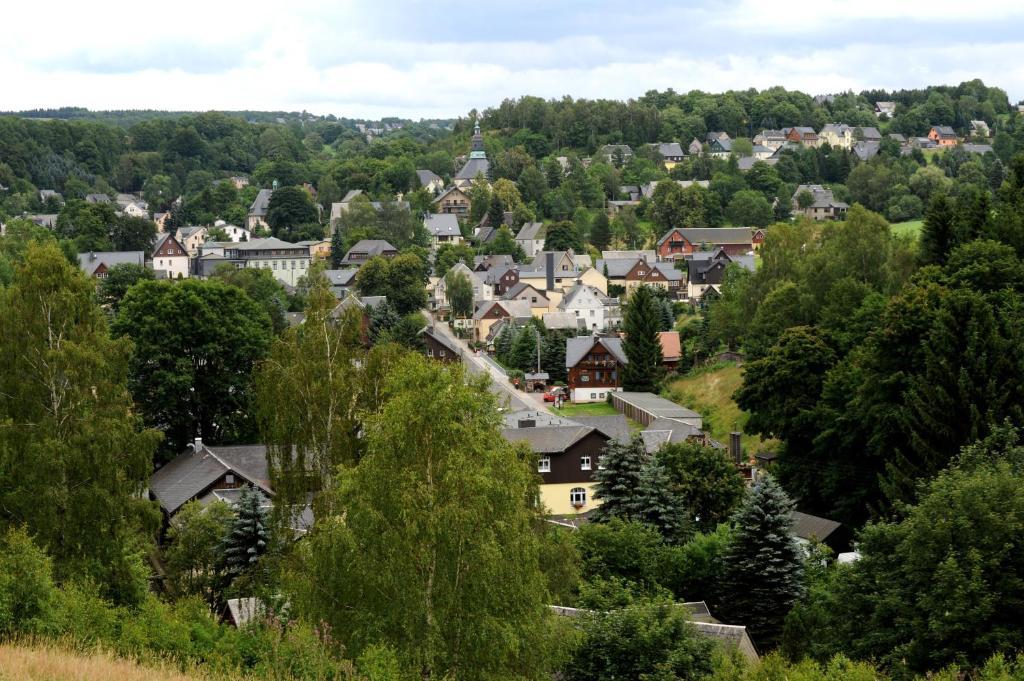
<point>26,584</point>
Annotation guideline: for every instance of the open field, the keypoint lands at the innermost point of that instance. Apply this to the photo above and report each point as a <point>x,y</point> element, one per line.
<point>709,392</point>
<point>588,409</point>
<point>910,228</point>
<point>50,663</point>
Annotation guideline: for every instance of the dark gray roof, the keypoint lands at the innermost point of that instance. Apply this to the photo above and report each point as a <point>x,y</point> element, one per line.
<point>426,177</point>
<point>870,134</point>
<point>530,230</point>
<point>441,338</point>
<point>614,427</point>
<point>472,167</point>
<point>662,431</point>
<point>617,267</point>
<point>513,293</point>
<point>669,149</point>
<point>977,148</point>
<point>260,203</point>
<point>548,439</point>
<point>97,198</point>
<point>93,259</point>
<point>808,526</point>
<point>944,130</point>
<point>656,405</point>
<point>712,235</point>
<point>577,348</point>
<point>371,247</point>
<point>189,474</point>
<point>866,150</point>
<point>341,277</point>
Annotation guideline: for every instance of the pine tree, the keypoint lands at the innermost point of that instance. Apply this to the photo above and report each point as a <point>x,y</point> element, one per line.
<point>668,315</point>
<point>247,539</point>
<point>618,480</point>
<point>658,505</point>
<point>643,350</point>
<point>601,232</point>
<point>763,564</point>
<point>496,212</point>
<point>503,344</point>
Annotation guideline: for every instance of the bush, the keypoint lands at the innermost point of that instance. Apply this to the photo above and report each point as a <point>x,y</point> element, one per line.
<point>26,584</point>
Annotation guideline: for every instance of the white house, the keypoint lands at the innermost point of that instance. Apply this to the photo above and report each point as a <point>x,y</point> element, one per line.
<point>171,257</point>
<point>531,238</point>
<point>598,311</point>
<point>443,228</point>
<point>234,233</point>
<point>482,291</point>
<point>191,238</point>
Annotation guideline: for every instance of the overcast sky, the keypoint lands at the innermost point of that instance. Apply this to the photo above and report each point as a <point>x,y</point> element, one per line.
<point>442,58</point>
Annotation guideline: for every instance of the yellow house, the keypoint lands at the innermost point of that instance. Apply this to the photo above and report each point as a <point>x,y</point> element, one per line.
<point>320,248</point>
<point>593,277</point>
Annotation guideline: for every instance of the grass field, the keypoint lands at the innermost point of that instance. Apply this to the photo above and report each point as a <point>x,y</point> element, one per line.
<point>911,228</point>
<point>709,392</point>
<point>50,663</point>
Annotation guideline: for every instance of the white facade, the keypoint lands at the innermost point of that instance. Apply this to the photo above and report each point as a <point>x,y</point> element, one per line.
<point>595,394</point>
<point>589,304</point>
<point>481,290</point>
<point>234,233</point>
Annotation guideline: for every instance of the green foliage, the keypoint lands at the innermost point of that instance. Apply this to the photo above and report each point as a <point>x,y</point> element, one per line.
<point>645,640</point>
<point>119,279</point>
<point>264,289</point>
<point>641,323</point>
<point>763,565</point>
<point>73,456</point>
<point>618,480</point>
<point>704,480</point>
<point>562,236</point>
<point>26,584</point>
<point>196,343</point>
<point>248,535</point>
<point>402,279</point>
<point>193,556</point>
<point>749,207</point>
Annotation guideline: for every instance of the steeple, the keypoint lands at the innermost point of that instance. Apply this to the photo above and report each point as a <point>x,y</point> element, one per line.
<point>476,149</point>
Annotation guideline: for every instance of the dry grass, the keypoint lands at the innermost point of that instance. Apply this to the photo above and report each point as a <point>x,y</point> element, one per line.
<point>47,662</point>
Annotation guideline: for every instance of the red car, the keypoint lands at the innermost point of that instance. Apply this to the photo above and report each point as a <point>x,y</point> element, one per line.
<point>552,394</point>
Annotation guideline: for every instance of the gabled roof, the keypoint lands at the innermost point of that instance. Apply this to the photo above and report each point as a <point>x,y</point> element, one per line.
<point>866,150</point>
<point>517,309</point>
<point>427,177</point>
<point>341,277</point>
<point>261,203</point>
<point>371,247</point>
<point>514,292</point>
<point>90,261</point>
<point>617,268</point>
<point>350,195</point>
<point>270,243</point>
<point>563,320</point>
<point>615,427</point>
<point>473,167</point>
<point>548,439</point>
<point>578,289</point>
<point>446,192</point>
<point>944,131</point>
<point>578,348</point>
<point>808,526</point>
<point>668,149</point>
<point>442,224</point>
<point>163,239</point>
<point>871,134</point>
<point>441,339</point>
<point>189,474</point>
<point>671,350</point>
<point>712,235</point>
<point>530,231</point>
<point>977,148</point>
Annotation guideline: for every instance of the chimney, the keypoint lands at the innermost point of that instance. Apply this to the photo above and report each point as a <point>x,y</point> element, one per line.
<point>549,268</point>
<point>197,445</point>
<point>735,450</point>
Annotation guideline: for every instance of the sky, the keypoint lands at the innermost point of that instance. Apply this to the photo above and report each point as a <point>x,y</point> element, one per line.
<point>440,59</point>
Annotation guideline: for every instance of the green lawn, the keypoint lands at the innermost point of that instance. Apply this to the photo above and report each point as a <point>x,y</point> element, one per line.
<point>709,392</point>
<point>911,228</point>
<point>586,409</point>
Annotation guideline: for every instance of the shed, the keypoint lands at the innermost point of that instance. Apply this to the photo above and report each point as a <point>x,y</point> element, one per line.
<point>646,407</point>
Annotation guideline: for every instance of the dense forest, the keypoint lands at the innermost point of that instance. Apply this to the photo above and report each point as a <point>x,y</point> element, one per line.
<point>885,373</point>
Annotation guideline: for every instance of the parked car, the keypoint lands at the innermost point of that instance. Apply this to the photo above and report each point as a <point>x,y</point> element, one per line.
<point>552,393</point>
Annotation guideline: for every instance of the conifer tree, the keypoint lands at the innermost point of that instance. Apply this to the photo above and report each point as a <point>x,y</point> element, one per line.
<point>601,232</point>
<point>247,539</point>
<point>643,350</point>
<point>938,233</point>
<point>658,505</point>
<point>763,564</point>
<point>496,212</point>
<point>618,481</point>
<point>668,315</point>
<point>503,344</point>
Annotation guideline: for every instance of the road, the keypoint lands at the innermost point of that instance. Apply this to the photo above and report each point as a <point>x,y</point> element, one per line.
<point>500,385</point>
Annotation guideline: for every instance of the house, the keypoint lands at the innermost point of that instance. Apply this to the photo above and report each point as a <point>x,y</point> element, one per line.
<point>430,181</point>
<point>191,238</point>
<point>898,138</point>
<point>564,320</point>
<point>923,143</point>
<point>257,216</point>
<point>808,528</point>
<point>48,220</point>
<point>234,233</point>
<point>671,349</point>
<point>622,271</point>
<point>695,148</point>
<point>97,198</point>
<point>671,153</point>
<point>757,237</point>
<point>868,134</point>
<point>978,129</point>
<point>838,135</point>
<point>239,181</point>
<point>453,200</point>
<point>567,454</point>
<point>531,238</point>
<point>443,229</point>
<point>650,255</point>
<point>680,241</point>
<point>824,205</point>
<point>171,257</point>
<point>647,190</point>
<point>943,136</point>
<point>662,431</point>
<point>286,261</point>
<point>341,281</point>
<point>485,263</point>
<point>760,152</point>
<point>594,365</point>
<point>632,191</point>
<point>50,194</point>
<point>643,273</point>
<point>207,474</point>
<point>595,310</point>
<point>488,312</point>
<point>481,289</point>
<point>364,249</point>
<point>615,154</point>
<point>745,163</point>
<point>707,270</point>
<point>501,278</point>
<point>477,164</point>
<point>132,206</point>
<point>720,147</point>
<point>887,109</point>
<point>772,139</point>
<point>96,264</point>
<point>160,219</point>
<point>318,248</point>
<point>540,304</point>
<point>645,408</point>
<point>977,148</point>
<point>437,345</point>
<point>802,134</point>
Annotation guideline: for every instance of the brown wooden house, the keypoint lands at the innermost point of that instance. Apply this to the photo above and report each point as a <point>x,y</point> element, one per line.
<point>594,366</point>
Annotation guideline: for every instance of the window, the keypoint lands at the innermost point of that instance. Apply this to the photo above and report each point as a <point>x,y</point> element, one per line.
<point>584,463</point>
<point>229,479</point>
<point>584,378</point>
<point>440,353</point>
<point>544,465</point>
<point>578,497</point>
<point>430,352</point>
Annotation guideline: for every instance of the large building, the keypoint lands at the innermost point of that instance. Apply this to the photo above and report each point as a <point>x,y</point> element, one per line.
<point>287,262</point>
<point>477,162</point>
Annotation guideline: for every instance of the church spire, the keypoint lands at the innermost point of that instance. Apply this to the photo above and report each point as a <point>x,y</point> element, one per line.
<point>476,149</point>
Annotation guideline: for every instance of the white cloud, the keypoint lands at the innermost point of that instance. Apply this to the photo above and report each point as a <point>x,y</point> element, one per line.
<point>330,57</point>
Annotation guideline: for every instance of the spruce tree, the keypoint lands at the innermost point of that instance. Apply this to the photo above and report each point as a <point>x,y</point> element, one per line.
<point>247,540</point>
<point>601,232</point>
<point>658,505</point>
<point>496,212</point>
<point>503,344</point>
<point>643,350</point>
<point>618,480</point>
<point>938,233</point>
<point>668,315</point>
<point>524,350</point>
<point>763,564</point>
